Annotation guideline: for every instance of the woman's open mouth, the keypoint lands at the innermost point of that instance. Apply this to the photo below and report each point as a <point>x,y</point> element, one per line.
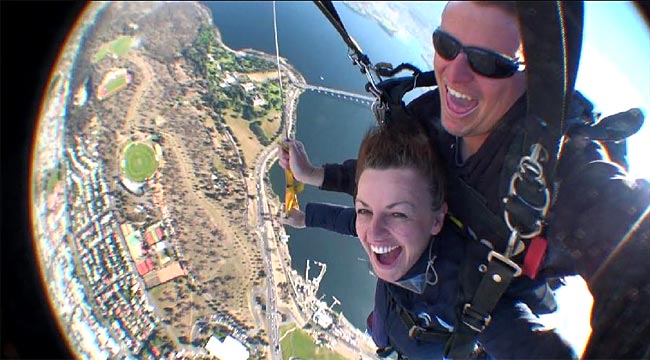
<point>386,255</point>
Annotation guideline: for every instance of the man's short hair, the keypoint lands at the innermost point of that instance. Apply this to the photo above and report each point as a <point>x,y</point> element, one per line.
<point>509,7</point>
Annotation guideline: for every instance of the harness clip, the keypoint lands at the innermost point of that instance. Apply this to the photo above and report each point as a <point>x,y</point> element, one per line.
<point>474,319</point>
<point>415,331</point>
<point>516,269</point>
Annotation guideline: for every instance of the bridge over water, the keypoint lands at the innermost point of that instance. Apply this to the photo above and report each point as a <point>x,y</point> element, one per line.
<point>362,99</point>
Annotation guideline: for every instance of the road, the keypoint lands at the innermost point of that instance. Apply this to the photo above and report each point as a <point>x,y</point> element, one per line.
<point>265,229</point>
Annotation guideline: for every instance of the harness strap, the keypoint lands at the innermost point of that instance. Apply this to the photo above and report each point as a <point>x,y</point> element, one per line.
<point>428,333</point>
<point>475,315</point>
<point>486,222</point>
<point>328,9</point>
<point>358,57</point>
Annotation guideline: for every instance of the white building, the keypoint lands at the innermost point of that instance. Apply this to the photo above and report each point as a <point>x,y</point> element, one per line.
<point>248,87</point>
<point>323,319</point>
<point>229,349</point>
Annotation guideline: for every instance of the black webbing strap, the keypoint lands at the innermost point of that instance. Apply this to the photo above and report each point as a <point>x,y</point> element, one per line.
<point>475,315</point>
<point>475,207</point>
<point>327,8</point>
<point>433,332</point>
<point>552,41</point>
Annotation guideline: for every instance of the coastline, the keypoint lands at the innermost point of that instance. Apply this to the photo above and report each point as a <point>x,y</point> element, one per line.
<point>228,245</point>
<point>349,341</point>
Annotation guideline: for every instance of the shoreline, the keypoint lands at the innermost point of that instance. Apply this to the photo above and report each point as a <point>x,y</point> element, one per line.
<point>355,343</point>
<point>224,244</point>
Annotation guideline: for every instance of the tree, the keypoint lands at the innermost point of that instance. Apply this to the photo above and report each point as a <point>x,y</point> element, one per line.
<point>183,340</point>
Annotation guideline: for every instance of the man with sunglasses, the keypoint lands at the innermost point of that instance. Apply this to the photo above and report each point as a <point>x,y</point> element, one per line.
<point>599,217</point>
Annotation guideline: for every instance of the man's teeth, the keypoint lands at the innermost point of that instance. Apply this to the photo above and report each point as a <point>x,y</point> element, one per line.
<point>458,94</point>
<point>382,249</point>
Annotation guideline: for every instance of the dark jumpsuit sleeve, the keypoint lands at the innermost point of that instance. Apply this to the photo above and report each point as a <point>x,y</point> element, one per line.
<point>602,219</point>
<point>340,177</point>
<point>336,218</point>
<point>516,333</point>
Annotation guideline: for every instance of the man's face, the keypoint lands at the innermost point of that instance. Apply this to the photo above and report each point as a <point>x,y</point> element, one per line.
<point>395,219</point>
<point>472,104</point>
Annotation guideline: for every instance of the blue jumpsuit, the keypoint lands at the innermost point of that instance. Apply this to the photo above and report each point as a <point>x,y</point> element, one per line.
<point>512,333</point>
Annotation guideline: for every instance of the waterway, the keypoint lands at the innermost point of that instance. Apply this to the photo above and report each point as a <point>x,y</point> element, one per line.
<point>331,129</point>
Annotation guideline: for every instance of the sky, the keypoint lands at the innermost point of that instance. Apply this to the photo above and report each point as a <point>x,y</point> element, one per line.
<point>614,70</point>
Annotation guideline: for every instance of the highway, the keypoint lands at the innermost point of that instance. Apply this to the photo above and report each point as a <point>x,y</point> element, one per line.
<point>265,230</point>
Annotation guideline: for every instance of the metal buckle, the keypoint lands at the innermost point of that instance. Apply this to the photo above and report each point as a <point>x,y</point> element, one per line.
<point>529,165</point>
<point>484,318</point>
<point>495,255</point>
<point>415,331</point>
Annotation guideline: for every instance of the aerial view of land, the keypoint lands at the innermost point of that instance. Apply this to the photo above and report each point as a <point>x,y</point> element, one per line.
<point>154,215</point>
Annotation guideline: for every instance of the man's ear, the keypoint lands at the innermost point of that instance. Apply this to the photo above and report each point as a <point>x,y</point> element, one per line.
<point>439,219</point>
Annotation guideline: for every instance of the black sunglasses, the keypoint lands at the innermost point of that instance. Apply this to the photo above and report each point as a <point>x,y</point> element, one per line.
<point>482,61</point>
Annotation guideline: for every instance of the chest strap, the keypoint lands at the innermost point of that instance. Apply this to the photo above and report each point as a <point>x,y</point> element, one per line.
<point>475,315</point>
<point>424,330</point>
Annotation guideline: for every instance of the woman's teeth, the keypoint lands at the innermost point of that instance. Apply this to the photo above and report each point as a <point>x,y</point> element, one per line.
<point>382,249</point>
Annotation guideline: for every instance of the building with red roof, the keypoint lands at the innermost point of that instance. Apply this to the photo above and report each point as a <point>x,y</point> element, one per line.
<point>159,233</point>
<point>149,238</point>
<point>144,267</point>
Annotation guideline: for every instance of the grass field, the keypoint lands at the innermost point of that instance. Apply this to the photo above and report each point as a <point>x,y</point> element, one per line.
<point>118,47</point>
<point>115,85</point>
<point>139,162</point>
<point>249,144</point>
<point>53,176</point>
<point>298,344</point>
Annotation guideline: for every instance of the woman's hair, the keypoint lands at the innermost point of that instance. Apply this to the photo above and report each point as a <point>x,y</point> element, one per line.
<point>404,144</point>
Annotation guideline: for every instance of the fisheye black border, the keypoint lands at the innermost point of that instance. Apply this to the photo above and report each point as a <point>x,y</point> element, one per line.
<point>32,33</point>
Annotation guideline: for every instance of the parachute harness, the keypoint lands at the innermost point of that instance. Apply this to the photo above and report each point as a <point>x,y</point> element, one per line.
<point>552,62</point>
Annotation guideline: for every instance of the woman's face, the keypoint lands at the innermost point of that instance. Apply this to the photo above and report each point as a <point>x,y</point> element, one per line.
<point>395,219</point>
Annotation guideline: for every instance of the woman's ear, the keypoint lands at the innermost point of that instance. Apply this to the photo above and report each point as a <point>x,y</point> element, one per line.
<point>439,219</point>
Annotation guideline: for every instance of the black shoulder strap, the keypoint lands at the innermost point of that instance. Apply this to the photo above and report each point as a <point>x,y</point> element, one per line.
<point>328,9</point>
<point>552,40</point>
